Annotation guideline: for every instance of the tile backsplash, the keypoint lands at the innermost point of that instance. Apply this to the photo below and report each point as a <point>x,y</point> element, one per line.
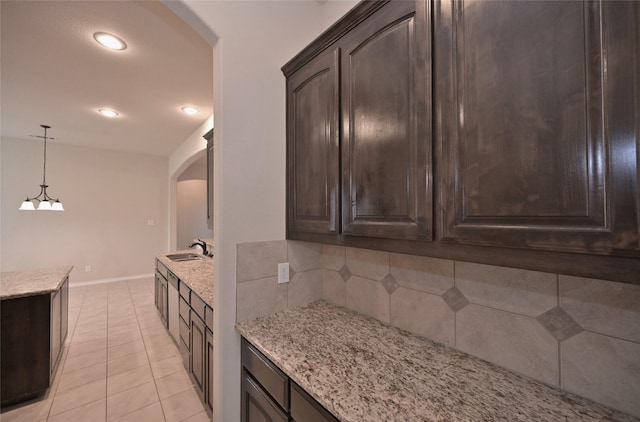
<point>579,334</point>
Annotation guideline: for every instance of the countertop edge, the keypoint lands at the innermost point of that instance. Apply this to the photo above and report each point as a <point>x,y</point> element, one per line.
<point>196,286</point>
<point>65,270</point>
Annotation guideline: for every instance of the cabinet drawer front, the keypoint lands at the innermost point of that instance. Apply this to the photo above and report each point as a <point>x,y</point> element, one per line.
<point>185,310</point>
<point>274,381</point>
<point>185,334</point>
<point>161,268</point>
<point>184,353</point>
<point>197,305</point>
<point>256,403</point>
<point>185,292</point>
<point>173,279</point>
<point>208,317</point>
<point>305,408</point>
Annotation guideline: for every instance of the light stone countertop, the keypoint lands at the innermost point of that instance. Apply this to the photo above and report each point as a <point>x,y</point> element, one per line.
<point>197,274</point>
<point>363,370</point>
<point>32,282</point>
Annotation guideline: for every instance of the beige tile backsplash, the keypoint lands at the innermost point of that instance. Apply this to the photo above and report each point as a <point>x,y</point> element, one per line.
<point>580,334</point>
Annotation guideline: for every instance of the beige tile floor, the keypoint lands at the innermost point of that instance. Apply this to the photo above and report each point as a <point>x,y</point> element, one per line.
<point>118,364</point>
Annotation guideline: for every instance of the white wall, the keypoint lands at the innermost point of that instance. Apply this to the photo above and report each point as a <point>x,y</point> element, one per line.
<point>254,39</point>
<point>191,150</point>
<point>108,198</point>
<point>191,212</point>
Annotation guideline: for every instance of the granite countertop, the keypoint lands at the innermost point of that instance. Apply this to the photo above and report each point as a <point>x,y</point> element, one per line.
<point>363,370</point>
<point>197,274</point>
<point>32,282</point>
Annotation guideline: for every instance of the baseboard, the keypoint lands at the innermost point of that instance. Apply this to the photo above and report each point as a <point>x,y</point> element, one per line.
<point>111,280</point>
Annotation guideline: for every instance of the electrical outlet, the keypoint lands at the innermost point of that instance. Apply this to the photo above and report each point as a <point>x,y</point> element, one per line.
<point>283,272</point>
<point>87,268</point>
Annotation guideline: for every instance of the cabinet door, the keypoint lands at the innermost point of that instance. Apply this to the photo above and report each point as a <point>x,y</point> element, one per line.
<point>209,371</point>
<point>386,117</point>
<point>531,154</point>
<point>256,404</point>
<point>55,330</point>
<point>312,146</point>
<point>197,350</point>
<point>164,302</point>
<point>64,311</point>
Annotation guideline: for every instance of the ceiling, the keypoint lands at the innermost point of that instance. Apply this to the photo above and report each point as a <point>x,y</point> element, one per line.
<point>53,72</point>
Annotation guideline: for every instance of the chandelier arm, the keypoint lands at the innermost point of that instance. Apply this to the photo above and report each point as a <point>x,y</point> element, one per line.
<point>37,197</point>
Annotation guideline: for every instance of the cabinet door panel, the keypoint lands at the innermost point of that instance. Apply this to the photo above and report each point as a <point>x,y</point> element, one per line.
<point>312,156</point>
<point>209,374</point>
<point>198,352</point>
<point>56,335</point>
<point>386,116</point>
<point>524,136</point>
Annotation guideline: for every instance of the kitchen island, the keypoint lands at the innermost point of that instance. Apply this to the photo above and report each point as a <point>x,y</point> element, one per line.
<point>34,323</point>
<point>360,369</point>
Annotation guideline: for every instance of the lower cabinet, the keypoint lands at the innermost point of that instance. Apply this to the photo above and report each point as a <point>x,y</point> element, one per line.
<point>269,395</point>
<point>162,297</point>
<point>32,335</point>
<point>189,320</point>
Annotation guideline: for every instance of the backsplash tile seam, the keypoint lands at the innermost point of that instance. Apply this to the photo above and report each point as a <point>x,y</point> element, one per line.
<point>610,336</point>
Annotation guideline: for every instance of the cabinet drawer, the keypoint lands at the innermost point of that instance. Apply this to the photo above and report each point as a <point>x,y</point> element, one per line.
<point>305,408</point>
<point>256,403</point>
<point>197,305</point>
<point>184,353</point>
<point>272,379</point>
<point>161,268</point>
<point>185,291</point>
<point>173,279</point>
<point>185,310</point>
<point>208,317</point>
<point>184,334</point>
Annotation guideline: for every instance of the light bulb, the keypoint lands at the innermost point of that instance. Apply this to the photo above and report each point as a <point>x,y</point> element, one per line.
<point>109,41</point>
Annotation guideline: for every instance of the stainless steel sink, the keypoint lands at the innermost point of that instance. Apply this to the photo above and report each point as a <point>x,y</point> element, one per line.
<point>178,257</point>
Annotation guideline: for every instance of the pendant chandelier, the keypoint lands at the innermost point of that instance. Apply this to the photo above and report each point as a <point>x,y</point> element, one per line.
<point>44,200</point>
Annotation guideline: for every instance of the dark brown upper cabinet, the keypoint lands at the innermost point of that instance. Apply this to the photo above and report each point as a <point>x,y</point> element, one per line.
<point>536,122</point>
<point>359,129</point>
<point>313,191</point>
<point>386,124</point>
<point>503,133</point>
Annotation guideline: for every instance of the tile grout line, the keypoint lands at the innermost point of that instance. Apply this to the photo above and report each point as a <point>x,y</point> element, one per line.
<point>135,309</point>
<point>63,360</point>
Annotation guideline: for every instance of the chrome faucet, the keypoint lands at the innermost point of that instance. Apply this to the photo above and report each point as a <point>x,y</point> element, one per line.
<point>203,245</point>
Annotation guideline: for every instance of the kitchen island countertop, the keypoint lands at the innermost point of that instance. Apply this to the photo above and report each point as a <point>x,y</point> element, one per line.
<point>197,274</point>
<point>16,284</point>
<point>363,370</point>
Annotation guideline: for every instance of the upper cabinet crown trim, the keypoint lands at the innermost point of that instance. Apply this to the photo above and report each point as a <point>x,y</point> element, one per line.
<point>354,17</point>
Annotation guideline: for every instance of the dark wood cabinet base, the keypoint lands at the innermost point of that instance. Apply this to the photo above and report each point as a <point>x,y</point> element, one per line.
<point>33,331</point>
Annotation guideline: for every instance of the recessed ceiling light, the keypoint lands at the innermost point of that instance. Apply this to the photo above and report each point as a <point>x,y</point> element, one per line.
<point>190,110</point>
<point>107,112</point>
<point>109,41</point>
